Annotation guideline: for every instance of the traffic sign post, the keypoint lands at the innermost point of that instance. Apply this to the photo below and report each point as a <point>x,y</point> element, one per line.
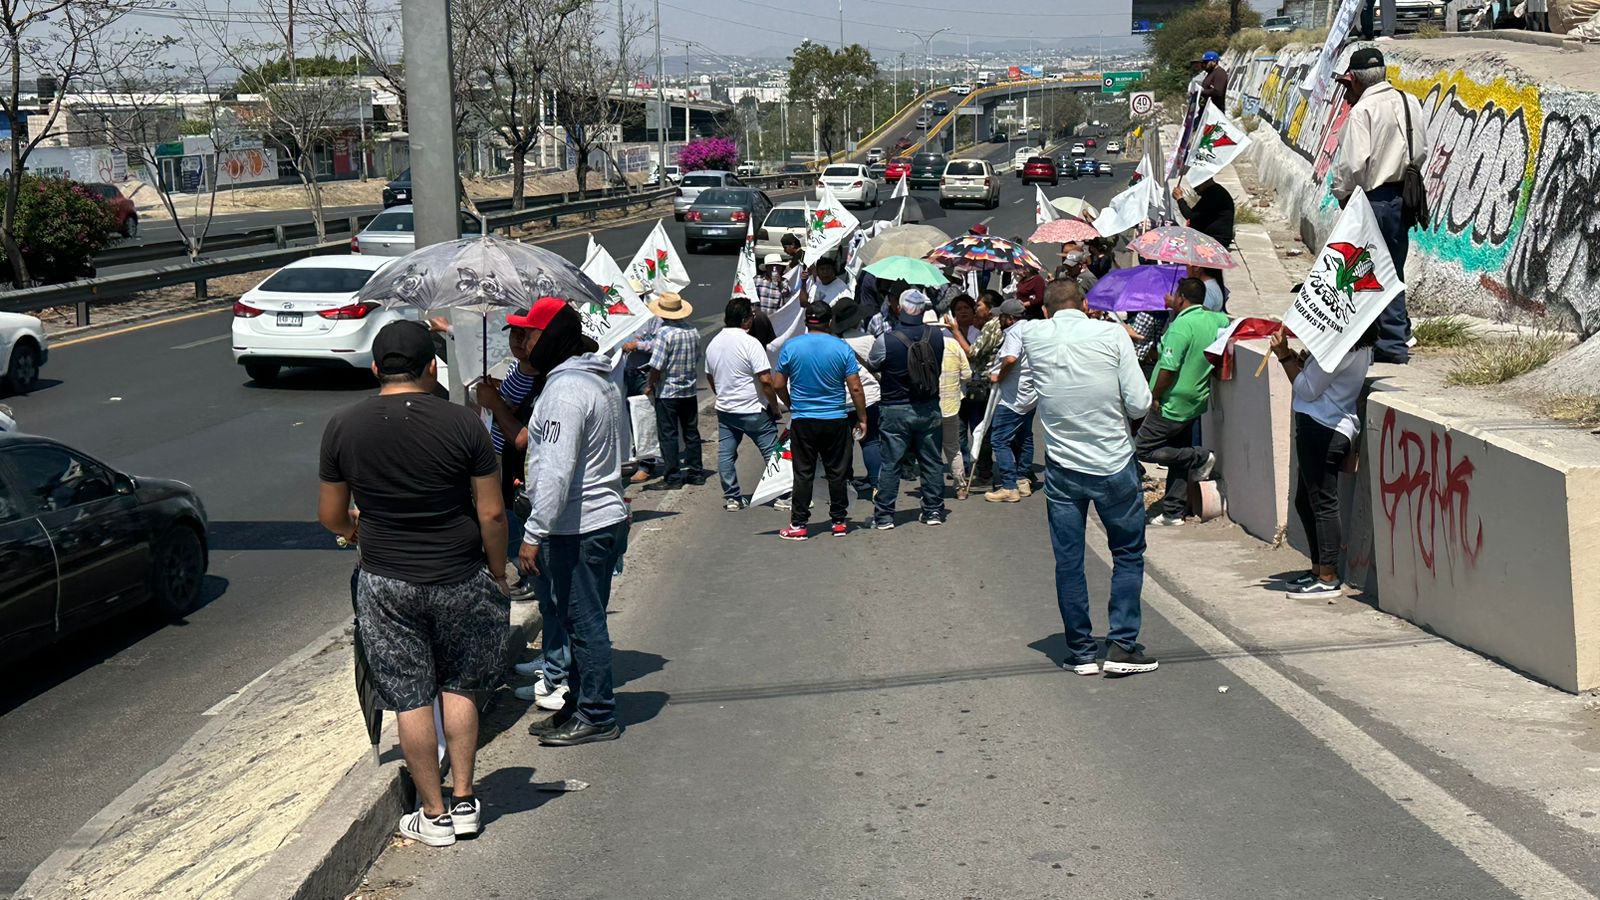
<point>1141,103</point>
<point>1117,82</point>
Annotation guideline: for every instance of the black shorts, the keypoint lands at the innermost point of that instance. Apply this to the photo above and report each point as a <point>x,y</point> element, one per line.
<point>424,638</point>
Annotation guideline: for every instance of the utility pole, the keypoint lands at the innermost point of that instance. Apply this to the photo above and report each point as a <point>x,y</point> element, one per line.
<point>1233,16</point>
<point>661,105</point>
<point>290,37</point>
<point>841,26</point>
<point>927,53</point>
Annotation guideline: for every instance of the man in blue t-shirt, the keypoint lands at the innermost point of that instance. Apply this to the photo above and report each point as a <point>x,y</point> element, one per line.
<point>815,371</point>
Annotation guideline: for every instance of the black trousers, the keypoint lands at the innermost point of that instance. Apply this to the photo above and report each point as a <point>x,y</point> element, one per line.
<point>827,441</point>
<point>1165,442</point>
<point>678,427</point>
<point>1320,452</point>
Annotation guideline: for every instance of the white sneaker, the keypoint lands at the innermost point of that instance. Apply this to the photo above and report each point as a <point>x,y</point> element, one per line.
<point>464,817</point>
<point>440,832</point>
<point>1169,521</point>
<point>554,700</point>
<point>783,503</point>
<point>1203,471</point>
<point>1088,668</point>
<point>532,667</point>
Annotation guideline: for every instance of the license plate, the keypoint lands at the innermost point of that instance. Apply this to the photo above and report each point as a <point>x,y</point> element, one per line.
<point>289,320</point>
<point>401,195</point>
<point>717,231</point>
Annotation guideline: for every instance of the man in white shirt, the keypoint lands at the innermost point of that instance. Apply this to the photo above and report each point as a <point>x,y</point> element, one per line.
<point>1374,149</point>
<point>1088,385</point>
<point>1011,425</point>
<point>825,283</point>
<point>740,375</point>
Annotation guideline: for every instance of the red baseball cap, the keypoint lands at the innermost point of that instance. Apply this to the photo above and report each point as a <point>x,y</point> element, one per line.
<point>539,316</point>
<point>979,228</point>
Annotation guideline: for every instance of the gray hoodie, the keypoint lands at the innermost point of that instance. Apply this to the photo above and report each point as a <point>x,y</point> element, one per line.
<point>575,451</point>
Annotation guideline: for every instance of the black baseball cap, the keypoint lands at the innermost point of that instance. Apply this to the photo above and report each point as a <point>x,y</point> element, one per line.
<point>819,313</point>
<point>402,348</point>
<point>1364,58</point>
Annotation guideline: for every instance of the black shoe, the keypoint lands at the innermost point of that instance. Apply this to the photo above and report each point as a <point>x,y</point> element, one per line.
<point>665,486</point>
<point>578,732</point>
<point>1395,359</point>
<point>1127,662</point>
<point>696,480</point>
<point>553,723</point>
<point>933,518</point>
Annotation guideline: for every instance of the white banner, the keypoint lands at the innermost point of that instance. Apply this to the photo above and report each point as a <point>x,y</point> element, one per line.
<point>744,274</point>
<point>613,323</point>
<point>1350,283</point>
<point>778,477</point>
<point>646,443</point>
<point>988,416</point>
<point>1131,207</point>
<point>900,187</point>
<point>1218,141</point>
<point>826,226</point>
<point>787,321</point>
<point>1319,78</point>
<point>1042,210</point>
<point>656,268</point>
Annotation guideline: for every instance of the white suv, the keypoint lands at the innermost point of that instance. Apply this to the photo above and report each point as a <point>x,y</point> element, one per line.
<point>969,181</point>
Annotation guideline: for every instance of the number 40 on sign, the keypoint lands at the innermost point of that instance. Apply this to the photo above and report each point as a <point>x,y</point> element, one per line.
<point>1141,103</point>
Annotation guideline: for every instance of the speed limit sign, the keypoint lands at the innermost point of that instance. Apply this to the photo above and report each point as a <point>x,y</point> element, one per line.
<point>1142,103</point>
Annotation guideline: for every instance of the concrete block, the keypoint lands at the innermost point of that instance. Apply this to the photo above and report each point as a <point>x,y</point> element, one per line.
<point>1248,427</point>
<point>1486,541</point>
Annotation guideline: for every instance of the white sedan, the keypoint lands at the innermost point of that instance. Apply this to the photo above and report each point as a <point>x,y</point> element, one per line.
<point>306,314</point>
<point>1079,150</point>
<point>852,184</point>
<point>23,349</point>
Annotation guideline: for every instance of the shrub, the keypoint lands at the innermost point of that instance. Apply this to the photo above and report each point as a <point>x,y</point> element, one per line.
<point>709,153</point>
<point>1188,35</point>
<point>1246,215</point>
<point>1443,331</point>
<point>1498,361</point>
<point>60,227</point>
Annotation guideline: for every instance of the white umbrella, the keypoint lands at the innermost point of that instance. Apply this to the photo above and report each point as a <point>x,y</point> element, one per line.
<point>1073,206</point>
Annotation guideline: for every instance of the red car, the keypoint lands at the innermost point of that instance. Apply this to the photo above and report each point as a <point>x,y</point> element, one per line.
<point>903,144</point>
<point>1089,142</point>
<point>127,218</point>
<point>1040,168</point>
<point>897,168</point>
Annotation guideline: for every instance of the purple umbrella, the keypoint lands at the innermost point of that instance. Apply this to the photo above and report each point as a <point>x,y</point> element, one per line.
<point>1136,289</point>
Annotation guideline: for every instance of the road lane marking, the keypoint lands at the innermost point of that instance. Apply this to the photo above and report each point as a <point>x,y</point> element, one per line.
<point>986,220</point>
<point>210,340</point>
<point>139,327</point>
<point>1502,856</point>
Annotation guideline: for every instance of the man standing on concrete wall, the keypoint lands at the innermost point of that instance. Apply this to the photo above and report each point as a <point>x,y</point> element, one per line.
<point>1383,135</point>
<point>1214,86</point>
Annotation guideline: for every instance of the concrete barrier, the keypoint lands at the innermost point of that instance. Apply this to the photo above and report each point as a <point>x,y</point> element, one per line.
<point>1247,426</point>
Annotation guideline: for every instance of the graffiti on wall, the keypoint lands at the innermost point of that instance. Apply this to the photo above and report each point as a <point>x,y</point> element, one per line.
<point>1557,255</point>
<point>247,166</point>
<point>1426,491</point>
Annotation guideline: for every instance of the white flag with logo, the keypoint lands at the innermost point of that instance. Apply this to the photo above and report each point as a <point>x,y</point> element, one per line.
<point>1042,210</point>
<point>900,187</point>
<point>777,478</point>
<point>744,274</point>
<point>612,323</point>
<point>1217,142</point>
<point>1350,283</point>
<point>1133,205</point>
<point>826,226</point>
<point>656,268</point>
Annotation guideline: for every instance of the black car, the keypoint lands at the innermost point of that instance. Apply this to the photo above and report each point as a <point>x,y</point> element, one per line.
<point>927,169</point>
<point>1067,166</point>
<point>940,108</point>
<point>999,137</point>
<point>80,541</point>
<point>399,190</point>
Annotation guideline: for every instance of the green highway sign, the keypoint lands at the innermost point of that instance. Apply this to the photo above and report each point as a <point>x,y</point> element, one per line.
<point>1117,82</point>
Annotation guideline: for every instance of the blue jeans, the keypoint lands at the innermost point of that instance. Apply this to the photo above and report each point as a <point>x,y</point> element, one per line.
<point>919,428</point>
<point>580,567</point>
<point>1011,436</point>
<point>871,450</point>
<point>1119,501</point>
<point>1394,323</point>
<point>557,655</point>
<point>758,427</point>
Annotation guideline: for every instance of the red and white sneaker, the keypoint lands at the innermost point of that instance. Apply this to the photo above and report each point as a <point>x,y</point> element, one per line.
<point>795,533</point>
<point>840,529</point>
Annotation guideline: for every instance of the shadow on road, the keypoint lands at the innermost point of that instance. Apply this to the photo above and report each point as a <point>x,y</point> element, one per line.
<point>28,677</point>
<point>507,792</point>
<point>323,380</point>
<point>270,536</point>
<point>41,385</point>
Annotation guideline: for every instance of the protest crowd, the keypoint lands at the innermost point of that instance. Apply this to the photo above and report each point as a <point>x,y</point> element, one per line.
<point>891,365</point>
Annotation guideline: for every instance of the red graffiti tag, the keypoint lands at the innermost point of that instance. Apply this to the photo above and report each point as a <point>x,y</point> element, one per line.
<point>1438,487</point>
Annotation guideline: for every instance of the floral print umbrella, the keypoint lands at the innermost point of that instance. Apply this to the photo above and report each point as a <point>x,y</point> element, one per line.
<point>984,252</point>
<point>1063,231</point>
<point>1183,246</point>
<point>481,274</point>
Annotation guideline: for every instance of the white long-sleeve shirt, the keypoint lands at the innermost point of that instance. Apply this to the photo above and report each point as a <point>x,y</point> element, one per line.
<point>1330,397</point>
<point>1089,386</point>
<point>1372,146</point>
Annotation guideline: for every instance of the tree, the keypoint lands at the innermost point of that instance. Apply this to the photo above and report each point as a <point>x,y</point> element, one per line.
<point>1185,37</point>
<point>831,80</point>
<point>513,47</point>
<point>716,153</point>
<point>595,66</point>
<point>51,39</point>
<point>60,227</point>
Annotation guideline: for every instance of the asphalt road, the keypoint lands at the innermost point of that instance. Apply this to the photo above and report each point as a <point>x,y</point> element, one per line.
<point>160,230</point>
<point>86,719</point>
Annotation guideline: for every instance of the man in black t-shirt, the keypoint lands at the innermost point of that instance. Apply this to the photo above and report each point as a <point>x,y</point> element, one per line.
<point>431,594</point>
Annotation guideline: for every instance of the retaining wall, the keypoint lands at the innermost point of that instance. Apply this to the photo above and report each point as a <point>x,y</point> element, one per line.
<point>1513,175</point>
<point>1245,426</point>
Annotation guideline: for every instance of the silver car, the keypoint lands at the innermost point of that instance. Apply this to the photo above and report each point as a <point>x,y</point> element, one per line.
<point>695,182</point>
<point>969,181</point>
<point>394,232</point>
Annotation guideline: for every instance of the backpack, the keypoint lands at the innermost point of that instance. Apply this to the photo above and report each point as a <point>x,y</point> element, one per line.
<point>922,363</point>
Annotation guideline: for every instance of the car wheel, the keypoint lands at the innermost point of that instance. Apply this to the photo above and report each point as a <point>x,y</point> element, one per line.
<point>130,226</point>
<point>23,373</point>
<point>677,217</point>
<point>943,203</point>
<point>177,568</point>
<point>261,373</point>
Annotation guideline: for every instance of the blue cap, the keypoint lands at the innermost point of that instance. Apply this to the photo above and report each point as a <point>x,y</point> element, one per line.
<point>1210,56</point>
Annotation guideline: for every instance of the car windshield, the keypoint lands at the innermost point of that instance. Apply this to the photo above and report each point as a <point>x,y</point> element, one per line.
<point>702,181</point>
<point>928,159</point>
<point>393,223</point>
<point>403,176</point>
<point>1039,160</point>
<point>841,172</point>
<point>964,168</point>
<point>723,197</point>
<point>317,280</point>
<point>786,217</point>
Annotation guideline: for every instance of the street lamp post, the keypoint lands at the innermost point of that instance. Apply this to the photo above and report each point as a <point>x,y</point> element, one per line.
<point>927,53</point>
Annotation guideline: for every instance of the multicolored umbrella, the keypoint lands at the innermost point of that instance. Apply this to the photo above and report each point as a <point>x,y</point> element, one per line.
<point>911,271</point>
<point>1135,289</point>
<point>1061,231</point>
<point>984,252</point>
<point>1185,246</point>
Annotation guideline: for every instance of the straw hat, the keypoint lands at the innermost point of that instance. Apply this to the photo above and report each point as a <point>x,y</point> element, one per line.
<point>671,306</point>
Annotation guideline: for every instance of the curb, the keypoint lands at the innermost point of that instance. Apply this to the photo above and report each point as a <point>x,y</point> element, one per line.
<point>339,842</point>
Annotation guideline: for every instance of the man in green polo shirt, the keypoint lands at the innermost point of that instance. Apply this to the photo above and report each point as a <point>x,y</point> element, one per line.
<point>1180,388</point>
